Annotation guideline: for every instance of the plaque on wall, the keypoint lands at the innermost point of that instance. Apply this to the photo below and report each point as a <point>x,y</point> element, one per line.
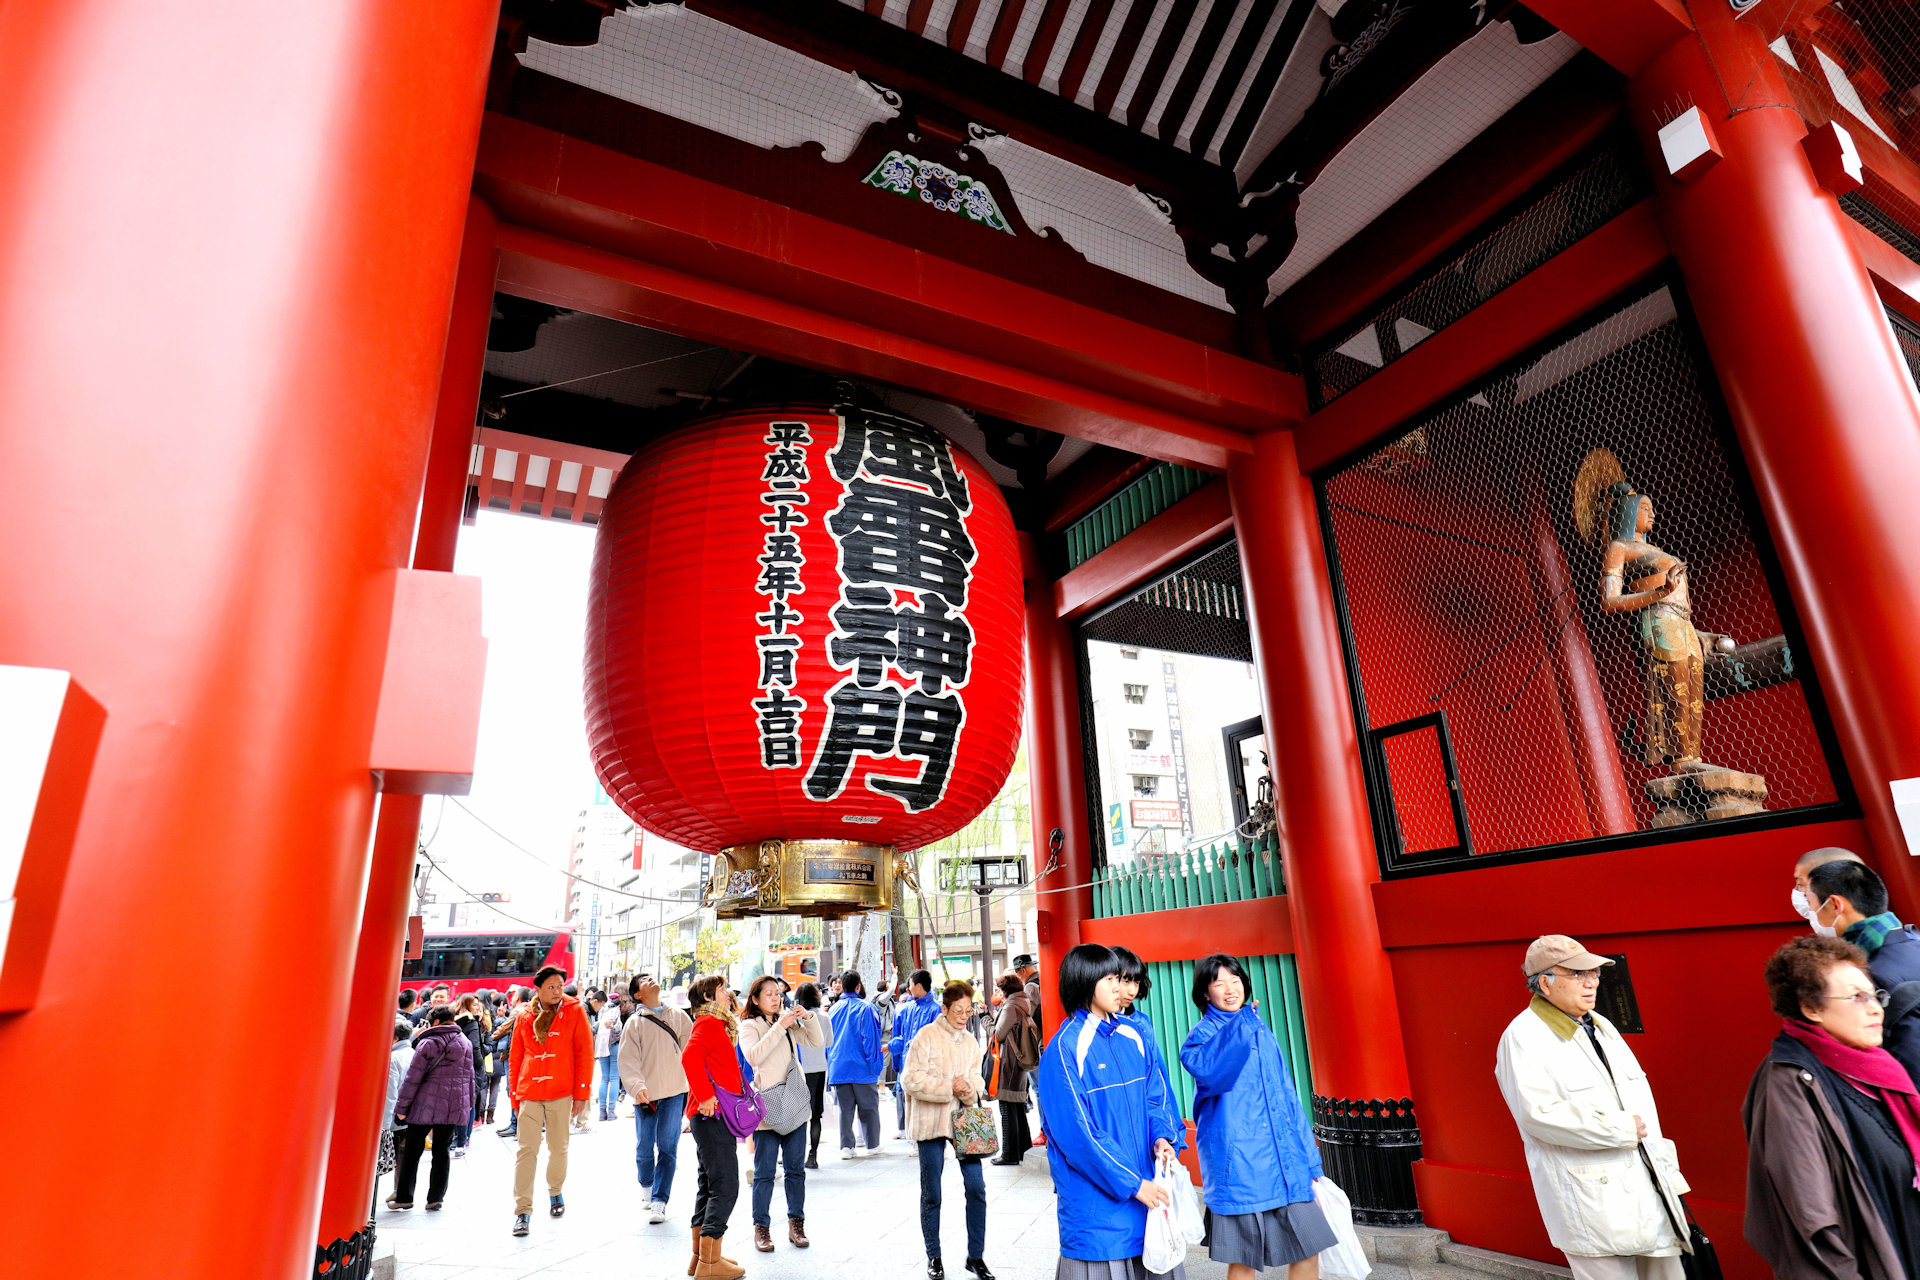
<point>1615,1001</point>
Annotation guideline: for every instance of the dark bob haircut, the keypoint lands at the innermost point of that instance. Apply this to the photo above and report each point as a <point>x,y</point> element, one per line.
<point>1205,971</point>
<point>1797,973</point>
<point>1134,969</point>
<point>807,996</point>
<point>549,971</point>
<point>1010,984</point>
<point>1082,970</point>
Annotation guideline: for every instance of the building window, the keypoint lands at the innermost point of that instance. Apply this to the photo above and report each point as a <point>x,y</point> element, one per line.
<point>1146,784</point>
<point>1139,739</point>
<point>1136,693</point>
<point>1132,655</point>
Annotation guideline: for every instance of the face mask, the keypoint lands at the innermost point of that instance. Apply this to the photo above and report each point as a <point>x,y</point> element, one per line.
<point>1824,930</point>
<point>1801,907</point>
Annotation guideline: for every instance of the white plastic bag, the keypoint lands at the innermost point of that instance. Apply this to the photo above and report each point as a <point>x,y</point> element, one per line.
<point>1344,1260</point>
<point>1186,1205</point>
<point>1166,1246</point>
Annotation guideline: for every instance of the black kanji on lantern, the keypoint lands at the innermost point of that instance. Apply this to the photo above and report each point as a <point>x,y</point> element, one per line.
<point>901,532</point>
<point>778,710</point>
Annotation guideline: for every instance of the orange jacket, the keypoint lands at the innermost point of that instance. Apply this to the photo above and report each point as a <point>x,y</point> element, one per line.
<point>561,1067</point>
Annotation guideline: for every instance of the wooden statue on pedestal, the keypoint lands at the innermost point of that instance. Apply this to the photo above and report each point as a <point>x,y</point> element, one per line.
<point>1638,577</point>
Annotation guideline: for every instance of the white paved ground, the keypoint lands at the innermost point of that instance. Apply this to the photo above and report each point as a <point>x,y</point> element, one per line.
<point>863,1217</point>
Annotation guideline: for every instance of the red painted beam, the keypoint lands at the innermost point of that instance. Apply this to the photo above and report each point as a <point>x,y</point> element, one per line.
<point>748,273</point>
<point>1896,278</point>
<point>1088,483</point>
<point>1256,927</point>
<point>1627,33</point>
<point>1626,250</point>
<point>1186,527</point>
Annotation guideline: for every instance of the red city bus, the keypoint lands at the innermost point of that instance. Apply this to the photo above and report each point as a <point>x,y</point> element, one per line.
<point>493,959</point>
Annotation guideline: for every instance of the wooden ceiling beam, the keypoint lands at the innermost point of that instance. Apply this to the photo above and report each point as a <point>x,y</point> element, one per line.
<point>1212,31</point>
<point>1161,59</point>
<point>1045,36</point>
<point>1125,49</point>
<point>1004,26</point>
<point>1084,44</point>
<point>845,37</point>
<point>1265,80</point>
<point>960,25</point>
<point>1239,58</point>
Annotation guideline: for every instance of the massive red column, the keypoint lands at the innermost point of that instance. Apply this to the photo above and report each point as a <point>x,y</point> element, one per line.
<point>376,966</point>
<point>227,248</point>
<point>1056,774</point>
<point>1326,842</point>
<point>1820,397</point>
<point>1326,847</point>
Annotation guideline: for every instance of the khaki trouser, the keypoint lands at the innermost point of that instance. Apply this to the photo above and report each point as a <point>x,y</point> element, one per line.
<point>551,1116</point>
<point>1636,1267</point>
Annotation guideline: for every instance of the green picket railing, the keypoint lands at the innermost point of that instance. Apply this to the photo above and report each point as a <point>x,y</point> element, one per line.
<point>1231,871</point>
<point>1276,985</point>
<point>1130,508</point>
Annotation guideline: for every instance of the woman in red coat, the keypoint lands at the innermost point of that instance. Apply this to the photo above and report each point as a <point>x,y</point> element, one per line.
<point>711,1059</point>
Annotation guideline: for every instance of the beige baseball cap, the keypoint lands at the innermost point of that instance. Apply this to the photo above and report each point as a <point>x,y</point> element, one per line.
<point>1559,949</point>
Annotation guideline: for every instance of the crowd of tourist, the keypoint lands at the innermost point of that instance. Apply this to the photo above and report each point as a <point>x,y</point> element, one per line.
<point>1832,1114</point>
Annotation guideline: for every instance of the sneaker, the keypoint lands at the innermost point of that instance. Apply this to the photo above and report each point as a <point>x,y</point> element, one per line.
<point>522,1223</point>
<point>459,1153</point>
<point>556,1205</point>
<point>846,1153</point>
<point>657,1211</point>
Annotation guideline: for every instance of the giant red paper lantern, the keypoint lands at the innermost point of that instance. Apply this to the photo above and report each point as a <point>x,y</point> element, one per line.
<point>805,626</point>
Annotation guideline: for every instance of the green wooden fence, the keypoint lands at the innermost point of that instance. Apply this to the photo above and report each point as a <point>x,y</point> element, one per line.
<point>1130,508</point>
<point>1276,985</point>
<point>1231,871</point>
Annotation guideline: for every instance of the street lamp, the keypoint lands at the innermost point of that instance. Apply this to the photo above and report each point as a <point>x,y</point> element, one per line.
<point>990,873</point>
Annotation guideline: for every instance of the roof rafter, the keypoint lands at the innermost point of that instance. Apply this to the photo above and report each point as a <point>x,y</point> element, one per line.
<point>843,36</point>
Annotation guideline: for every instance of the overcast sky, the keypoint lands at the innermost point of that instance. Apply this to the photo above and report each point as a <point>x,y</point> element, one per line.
<point>532,776</point>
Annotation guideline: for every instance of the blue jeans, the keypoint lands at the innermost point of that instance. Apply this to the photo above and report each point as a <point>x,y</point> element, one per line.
<point>609,1082</point>
<point>933,1161</point>
<point>656,1146</point>
<point>790,1150</point>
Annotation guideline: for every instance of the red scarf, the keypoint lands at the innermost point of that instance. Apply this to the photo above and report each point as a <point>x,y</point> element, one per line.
<point>1875,1072</point>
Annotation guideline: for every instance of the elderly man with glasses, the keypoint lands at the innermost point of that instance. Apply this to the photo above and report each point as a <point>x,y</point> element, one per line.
<point>1608,1184</point>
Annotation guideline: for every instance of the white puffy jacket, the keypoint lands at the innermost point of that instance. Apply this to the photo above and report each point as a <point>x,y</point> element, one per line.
<point>1576,1122</point>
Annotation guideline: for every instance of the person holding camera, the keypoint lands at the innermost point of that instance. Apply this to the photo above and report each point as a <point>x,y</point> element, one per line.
<point>650,1071</point>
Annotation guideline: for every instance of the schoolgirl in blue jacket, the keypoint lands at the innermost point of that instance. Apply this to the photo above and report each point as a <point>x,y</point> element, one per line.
<point>1257,1154</point>
<point>1134,985</point>
<point>1108,1115</point>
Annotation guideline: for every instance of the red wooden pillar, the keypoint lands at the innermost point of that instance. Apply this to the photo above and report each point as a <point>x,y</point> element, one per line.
<point>1056,773</point>
<point>229,243</point>
<point>376,967</point>
<point>1327,849</point>
<point>1820,397</point>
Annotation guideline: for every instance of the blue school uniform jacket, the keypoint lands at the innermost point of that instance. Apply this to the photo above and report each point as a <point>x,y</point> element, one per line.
<point>1256,1146</point>
<point>908,1021</point>
<point>854,1057</point>
<point>1145,1025</point>
<point>1104,1107</point>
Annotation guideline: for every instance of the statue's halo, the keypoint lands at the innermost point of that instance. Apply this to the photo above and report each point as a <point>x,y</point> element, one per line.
<point>1598,473</point>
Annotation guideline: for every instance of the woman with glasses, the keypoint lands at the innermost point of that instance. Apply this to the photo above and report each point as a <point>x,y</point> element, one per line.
<point>1833,1126</point>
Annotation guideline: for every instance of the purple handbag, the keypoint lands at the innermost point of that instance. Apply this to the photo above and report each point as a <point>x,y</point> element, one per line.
<point>743,1114</point>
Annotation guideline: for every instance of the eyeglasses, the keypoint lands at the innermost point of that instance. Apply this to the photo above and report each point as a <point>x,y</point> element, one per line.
<point>1585,977</point>
<point>1860,998</point>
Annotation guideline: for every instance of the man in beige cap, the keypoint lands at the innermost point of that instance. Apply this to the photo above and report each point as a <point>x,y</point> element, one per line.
<point>1608,1184</point>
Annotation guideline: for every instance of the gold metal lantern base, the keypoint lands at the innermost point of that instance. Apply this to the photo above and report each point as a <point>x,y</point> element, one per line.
<point>822,878</point>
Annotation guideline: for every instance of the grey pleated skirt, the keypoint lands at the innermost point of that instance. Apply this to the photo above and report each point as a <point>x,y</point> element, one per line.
<point>1275,1237</point>
<point>1121,1269</point>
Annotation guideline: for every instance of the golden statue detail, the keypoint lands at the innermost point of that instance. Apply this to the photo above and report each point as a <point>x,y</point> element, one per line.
<point>1638,577</point>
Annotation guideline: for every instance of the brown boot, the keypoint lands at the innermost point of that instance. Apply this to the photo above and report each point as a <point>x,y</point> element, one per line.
<point>695,1264</point>
<point>712,1266</point>
<point>762,1238</point>
<point>797,1233</point>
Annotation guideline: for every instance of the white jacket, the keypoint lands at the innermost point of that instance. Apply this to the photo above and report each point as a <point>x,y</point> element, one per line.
<point>1576,1123</point>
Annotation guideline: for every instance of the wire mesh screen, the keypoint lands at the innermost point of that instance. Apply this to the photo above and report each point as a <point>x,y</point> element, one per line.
<point>1869,215</point>
<point>1907,334</point>
<point>1860,57</point>
<point>1163,674</point>
<point>1560,625</point>
<point>1604,185</point>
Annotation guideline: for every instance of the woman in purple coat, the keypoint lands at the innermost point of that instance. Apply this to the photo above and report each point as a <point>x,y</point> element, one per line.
<point>436,1098</point>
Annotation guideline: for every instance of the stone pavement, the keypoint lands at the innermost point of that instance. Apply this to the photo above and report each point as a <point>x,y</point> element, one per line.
<point>863,1216</point>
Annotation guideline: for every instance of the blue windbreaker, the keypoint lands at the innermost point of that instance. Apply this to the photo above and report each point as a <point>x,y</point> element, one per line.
<point>854,1056</point>
<point>1145,1025</point>
<point>908,1020</point>
<point>1103,1108</point>
<point>1256,1147</point>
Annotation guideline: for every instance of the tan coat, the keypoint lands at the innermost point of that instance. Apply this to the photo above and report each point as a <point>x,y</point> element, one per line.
<point>935,1056</point>
<point>650,1046</point>
<point>768,1050</point>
